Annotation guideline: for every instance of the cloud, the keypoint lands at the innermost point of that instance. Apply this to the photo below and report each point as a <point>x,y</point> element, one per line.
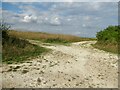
<point>84,25</point>
<point>95,5</point>
<point>55,20</point>
<point>13,17</point>
<point>28,18</point>
<point>87,18</point>
<point>63,17</point>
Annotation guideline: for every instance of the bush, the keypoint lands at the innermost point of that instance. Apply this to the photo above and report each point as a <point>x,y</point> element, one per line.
<point>108,35</point>
<point>108,39</point>
<point>55,40</point>
<point>4,27</point>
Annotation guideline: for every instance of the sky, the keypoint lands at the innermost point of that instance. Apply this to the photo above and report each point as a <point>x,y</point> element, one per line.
<point>83,19</point>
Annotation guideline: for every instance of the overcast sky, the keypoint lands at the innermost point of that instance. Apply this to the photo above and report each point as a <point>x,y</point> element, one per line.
<point>76,18</point>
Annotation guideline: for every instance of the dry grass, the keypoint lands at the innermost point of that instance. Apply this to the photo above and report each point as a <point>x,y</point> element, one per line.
<point>113,48</point>
<point>45,36</point>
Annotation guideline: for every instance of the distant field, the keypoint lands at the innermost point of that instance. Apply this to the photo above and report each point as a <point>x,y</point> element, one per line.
<point>47,37</point>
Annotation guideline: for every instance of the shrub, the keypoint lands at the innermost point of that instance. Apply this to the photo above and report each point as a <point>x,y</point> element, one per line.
<point>108,39</point>
<point>108,35</point>
<point>55,40</point>
<point>4,27</point>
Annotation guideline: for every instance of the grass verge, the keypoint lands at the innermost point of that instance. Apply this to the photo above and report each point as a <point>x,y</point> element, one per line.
<point>16,50</point>
<point>113,48</point>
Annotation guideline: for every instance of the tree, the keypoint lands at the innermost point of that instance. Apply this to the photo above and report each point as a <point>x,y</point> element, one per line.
<point>4,27</point>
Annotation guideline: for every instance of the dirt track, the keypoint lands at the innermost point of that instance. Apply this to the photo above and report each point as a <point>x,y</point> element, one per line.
<point>77,66</point>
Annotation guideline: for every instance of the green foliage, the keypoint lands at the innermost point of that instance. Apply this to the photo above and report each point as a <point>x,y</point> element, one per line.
<point>56,40</point>
<point>4,27</point>
<point>18,50</point>
<point>108,39</point>
<point>13,54</point>
<point>108,35</point>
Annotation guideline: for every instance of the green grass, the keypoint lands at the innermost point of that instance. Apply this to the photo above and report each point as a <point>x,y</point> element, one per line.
<point>19,55</point>
<point>57,41</point>
<point>16,50</point>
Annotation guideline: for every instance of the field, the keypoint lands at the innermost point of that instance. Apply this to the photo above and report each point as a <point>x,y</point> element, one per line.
<point>47,37</point>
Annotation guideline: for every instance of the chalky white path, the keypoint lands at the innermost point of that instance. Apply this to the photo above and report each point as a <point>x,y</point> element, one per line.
<point>76,66</point>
